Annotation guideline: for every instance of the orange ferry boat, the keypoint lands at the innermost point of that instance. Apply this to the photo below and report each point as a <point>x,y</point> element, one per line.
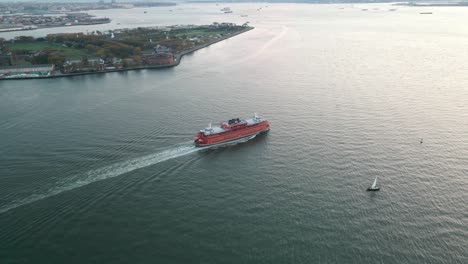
<point>232,130</point>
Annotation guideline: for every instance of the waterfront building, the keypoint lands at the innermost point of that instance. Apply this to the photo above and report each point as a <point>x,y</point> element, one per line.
<point>72,61</point>
<point>79,65</point>
<point>159,55</point>
<point>162,49</point>
<point>158,59</point>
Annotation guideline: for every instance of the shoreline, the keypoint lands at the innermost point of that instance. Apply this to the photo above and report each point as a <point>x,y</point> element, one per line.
<point>178,57</point>
<point>3,30</point>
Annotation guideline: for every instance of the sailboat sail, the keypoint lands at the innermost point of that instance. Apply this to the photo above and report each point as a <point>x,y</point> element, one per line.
<point>375,183</point>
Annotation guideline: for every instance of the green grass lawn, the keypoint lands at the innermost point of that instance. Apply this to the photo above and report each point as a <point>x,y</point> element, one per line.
<point>202,32</point>
<point>21,63</point>
<point>65,51</point>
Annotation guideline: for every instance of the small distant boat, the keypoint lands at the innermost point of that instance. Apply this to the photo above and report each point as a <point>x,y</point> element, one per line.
<point>393,9</point>
<point>365,9</point>
<point>426,13</point>
<point>374,187</point>
<point>226,10</point>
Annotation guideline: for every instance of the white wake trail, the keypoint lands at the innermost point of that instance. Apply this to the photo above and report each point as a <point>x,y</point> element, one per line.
<point>258,51</point>
<point>103,173</point>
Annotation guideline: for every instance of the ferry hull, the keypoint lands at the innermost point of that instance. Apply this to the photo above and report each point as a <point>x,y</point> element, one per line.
<point>230,136</point>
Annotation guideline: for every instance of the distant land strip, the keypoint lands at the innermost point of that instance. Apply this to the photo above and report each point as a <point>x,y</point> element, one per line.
<point>71,54</point>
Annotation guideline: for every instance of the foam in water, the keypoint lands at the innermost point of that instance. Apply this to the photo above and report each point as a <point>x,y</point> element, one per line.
<point>105,173</point>
<point>113,170</point>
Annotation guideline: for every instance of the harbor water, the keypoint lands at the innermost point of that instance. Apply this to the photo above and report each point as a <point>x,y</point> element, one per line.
<point>102,168</point>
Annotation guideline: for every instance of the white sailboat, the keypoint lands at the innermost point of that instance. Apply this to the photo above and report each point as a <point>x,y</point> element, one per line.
<point>374,186</point>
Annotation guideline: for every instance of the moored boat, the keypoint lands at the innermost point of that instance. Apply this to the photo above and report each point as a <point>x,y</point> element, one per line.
<point>231,130</point>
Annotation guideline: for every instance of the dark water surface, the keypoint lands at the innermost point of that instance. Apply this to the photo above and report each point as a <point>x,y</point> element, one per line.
<point>101,169</point>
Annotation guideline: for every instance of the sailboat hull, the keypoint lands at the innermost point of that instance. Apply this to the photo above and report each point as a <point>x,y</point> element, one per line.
<point>370,189</point>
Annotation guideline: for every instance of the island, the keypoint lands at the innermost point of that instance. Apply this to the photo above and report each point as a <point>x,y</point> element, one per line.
<point>15,16</point>
<point>31,22</point>
<point>67,54</point>
<point>433,4</point>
